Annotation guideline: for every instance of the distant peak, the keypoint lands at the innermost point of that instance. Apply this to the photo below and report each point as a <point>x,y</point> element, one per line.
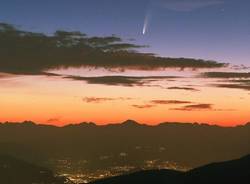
<point>248,124</point>
<point>83,124</point>
<point>89,123</point>
<point>130,122</point>
<point>29,122</point>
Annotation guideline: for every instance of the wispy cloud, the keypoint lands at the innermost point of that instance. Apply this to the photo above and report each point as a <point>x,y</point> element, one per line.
<point>154,103</point>
<point>183,88</point>
<point>165,102</point>
<point>146,106</point>
<point>243,86</point>
<point>226,75</point>
<point>102,99</point>
<point>232,80</point>
<point>196,107</point>
<point>127,81</point>
<point>240,67</point>
<point>54,120</point>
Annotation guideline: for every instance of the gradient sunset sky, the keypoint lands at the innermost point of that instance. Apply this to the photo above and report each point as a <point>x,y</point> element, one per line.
<point>203,29</point>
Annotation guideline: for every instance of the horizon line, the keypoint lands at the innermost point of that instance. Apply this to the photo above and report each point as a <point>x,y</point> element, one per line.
<point>126,122</point>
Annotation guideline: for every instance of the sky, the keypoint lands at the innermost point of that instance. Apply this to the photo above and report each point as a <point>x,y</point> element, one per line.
<point>209,29</point>
<point>203,29</point>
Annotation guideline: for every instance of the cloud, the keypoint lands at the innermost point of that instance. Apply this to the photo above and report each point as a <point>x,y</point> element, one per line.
<point>225,75</point>
<point>3,75</point>
<point>187,5</point>
<point>194,107</point>
<point>127,81</point>
<point>102,99</point>
<point>154,103</point>
<point>245,81</point>
<point>183,88</point>
<point>240,67</point>
<point>6,75</point>
<point>36,53</point>
<point>96,100</point>
<point>54,120</point>
<point>146,106</point>
<point>232,80</point>
<point>164,102</point>
<point>234,86</point>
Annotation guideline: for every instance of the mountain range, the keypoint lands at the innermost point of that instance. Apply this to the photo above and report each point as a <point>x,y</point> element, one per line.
<point>130,143</point>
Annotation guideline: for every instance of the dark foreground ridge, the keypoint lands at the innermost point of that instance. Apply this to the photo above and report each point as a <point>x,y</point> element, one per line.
<point>229,172</point>
<point>15,171</point>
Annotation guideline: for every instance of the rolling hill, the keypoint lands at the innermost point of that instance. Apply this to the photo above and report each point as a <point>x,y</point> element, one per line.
<point>230,172</point>
<point>15,171</point>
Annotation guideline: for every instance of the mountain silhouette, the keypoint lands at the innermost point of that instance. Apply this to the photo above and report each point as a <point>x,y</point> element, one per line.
<point>15,171</point>
<point>229,172</point>
<point>130,123</point>
<point>235,171</point>
<point>190,145</point>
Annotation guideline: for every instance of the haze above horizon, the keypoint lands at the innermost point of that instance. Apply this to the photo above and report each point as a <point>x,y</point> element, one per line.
<point>149,60</point>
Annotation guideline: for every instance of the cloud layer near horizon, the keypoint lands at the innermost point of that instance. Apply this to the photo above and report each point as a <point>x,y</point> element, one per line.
<point>194,107</point>
<point>232,80</point>
<point>102,99</point>
<point>127,81</point>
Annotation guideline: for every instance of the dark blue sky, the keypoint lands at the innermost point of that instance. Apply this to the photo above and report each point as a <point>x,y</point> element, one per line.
<point>209,29</point>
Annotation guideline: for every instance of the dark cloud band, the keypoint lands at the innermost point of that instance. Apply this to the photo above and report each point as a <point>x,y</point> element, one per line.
<point>34,53</point>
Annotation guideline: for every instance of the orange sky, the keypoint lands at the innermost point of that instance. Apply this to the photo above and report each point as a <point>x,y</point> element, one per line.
<point>52,100</point>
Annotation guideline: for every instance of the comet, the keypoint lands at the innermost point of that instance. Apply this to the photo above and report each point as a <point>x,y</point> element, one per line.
<point>145,26</point>
<point>146,23</point>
